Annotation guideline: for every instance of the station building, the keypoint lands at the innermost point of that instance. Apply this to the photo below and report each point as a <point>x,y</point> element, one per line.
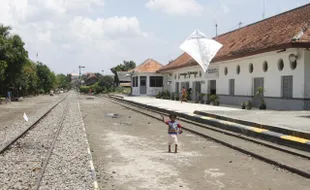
<point>272,53</point>
<point>145,79</point>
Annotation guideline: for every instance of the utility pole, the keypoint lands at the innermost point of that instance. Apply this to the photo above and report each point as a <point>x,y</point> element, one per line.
<point>264,8</point>
<point>216,28</point>
<point>80,67</point>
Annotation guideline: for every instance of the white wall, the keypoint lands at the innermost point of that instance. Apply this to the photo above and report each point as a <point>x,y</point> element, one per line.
<point>150,91</point>
<point>307,73</point>
<point>244,81</point>
<point>190,80</point>
<point>272,78</point>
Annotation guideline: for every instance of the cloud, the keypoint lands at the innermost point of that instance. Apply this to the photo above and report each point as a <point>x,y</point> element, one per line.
<point>224,6</point>
<point>176,7</point>
<point>66,33</point>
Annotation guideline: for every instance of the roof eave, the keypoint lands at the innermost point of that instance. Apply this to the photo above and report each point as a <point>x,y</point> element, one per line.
<point>265,50</point>
<point>260,51</point>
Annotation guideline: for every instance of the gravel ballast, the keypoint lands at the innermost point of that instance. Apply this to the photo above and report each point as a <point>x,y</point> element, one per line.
<point>7,133</point>
<point>68,167</point>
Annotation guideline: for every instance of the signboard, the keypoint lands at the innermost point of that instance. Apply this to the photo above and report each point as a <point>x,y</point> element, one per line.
<point>212,72</point>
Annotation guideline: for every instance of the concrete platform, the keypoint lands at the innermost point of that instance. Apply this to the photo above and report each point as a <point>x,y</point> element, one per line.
<point>294,133</point>
<point>287,122</point>
<point>177,105</point>
<point>291,120</point>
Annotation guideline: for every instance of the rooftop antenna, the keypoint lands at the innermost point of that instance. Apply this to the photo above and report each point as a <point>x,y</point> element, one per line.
<point>216,28</point>
<point>240,23</point>
<point>264,8</point>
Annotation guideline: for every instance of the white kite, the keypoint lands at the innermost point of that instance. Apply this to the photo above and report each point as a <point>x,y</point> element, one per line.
<point>25,117</point>
<point>201,49</point>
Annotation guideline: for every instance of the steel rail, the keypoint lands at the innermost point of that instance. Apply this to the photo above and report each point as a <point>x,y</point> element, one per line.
<point>12,141</point>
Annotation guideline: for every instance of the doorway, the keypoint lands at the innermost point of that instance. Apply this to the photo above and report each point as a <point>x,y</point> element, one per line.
<point>258,82</point>
<point>142,84</point>
<point>177,89</point>
<point>212,87</point>
<point>196,90</point>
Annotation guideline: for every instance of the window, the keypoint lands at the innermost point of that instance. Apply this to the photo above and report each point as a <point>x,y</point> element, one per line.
<point>251,68</point>
<point>225,71</point>
<point>280,64</point>
<point>265,66</point>
<point>238,69</point>
<point>156,81</point>
<point>293,65</point>
<point>287,86</point>
<point>232,87</point>
<point>135,82</point>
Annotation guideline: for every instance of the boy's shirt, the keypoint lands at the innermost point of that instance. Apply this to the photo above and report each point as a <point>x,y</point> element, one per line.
<point>173,127</point>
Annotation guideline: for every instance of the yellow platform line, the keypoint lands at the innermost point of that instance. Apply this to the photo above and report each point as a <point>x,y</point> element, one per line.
<point>205,117</point>
<point>258,130</point>
<point>296,139</point>
<point>191,114</point>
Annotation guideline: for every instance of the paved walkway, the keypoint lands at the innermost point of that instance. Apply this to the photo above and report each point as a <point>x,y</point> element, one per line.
<point>292,120</point>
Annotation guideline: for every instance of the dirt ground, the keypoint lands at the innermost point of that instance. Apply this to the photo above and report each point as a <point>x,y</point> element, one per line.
<point>131,152</point>
<point>12,111</point>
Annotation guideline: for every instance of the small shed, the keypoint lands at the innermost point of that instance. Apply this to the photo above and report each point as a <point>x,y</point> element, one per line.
<point>146,80</point>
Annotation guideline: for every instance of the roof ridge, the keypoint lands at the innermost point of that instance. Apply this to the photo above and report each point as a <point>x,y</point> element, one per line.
<point>175,59</point>
<point>285,12</point>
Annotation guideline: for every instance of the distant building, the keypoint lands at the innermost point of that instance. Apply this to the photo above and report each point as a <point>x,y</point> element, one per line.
<point>91,79</point>
<point>124,78</point>
<point>145,79</point>
<point>74,76</point>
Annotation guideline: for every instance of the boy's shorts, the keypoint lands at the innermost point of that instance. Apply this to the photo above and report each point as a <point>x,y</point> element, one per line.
<point>172,138</point>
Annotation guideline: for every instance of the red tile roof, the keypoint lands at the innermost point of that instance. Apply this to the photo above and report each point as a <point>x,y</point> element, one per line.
<point>271,34</point>
<point>148,65</point>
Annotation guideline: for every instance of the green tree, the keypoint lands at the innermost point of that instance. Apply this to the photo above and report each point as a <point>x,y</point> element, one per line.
<point>63,81</point>
<point>98,75</point>
<point>46,77</point>
<point>13,57</point>
<point>125,66</point>
<point>69,78</point>
<point>28,81</point>
<point>106,81</point>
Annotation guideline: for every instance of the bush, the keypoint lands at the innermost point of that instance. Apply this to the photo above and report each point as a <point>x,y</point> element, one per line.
<point>248,105</point>
<point>172,96</point>
<point>158,95</point>
<point>96,88</point>
<point>166,95</point>
<point>84,89</point>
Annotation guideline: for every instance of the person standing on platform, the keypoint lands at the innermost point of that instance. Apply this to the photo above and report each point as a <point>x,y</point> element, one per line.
<point>9,97</point>
<point>184,95</point>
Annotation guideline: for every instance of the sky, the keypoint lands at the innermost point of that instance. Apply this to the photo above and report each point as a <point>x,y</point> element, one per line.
<point>100,34</point>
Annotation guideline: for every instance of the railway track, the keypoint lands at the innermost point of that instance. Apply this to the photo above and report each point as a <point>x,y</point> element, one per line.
<point>6,145</point>
<point>32,148</point>
<point>279,156</point>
